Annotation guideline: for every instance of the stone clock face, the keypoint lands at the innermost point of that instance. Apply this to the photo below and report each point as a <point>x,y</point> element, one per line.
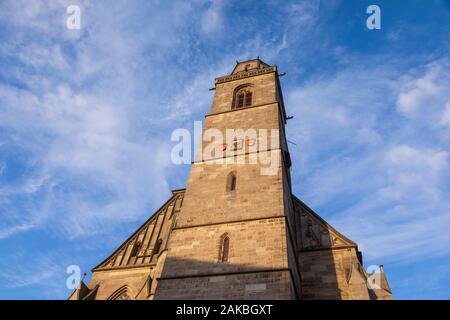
<point>238,145</point>
<point>250,142</point>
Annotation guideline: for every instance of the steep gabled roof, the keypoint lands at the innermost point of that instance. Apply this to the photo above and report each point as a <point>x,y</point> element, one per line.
<point>316,233</point>
<point>145,237</point>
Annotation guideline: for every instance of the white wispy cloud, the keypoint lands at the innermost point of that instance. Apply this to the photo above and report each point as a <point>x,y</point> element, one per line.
<point>383,181</point>
<point>445,119</point>
<point>91,118</point>
<point>39,270</point>
<point>75,124</point>
<point>212,17</point>
<point>425,93</point>
<point>2,167</point>
<point>86,118</point>
<point>303,13</point>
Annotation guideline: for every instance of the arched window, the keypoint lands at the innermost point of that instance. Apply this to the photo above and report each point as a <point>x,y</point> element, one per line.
<point>157,246</point>
<point>231,181</point>
<point>123,293</point>
<point>243,97</point>
<point>224,248</point>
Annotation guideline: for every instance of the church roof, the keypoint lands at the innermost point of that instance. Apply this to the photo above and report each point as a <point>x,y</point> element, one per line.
<point>247,65</point>
<point>143,238</point>
<point>316,233</point>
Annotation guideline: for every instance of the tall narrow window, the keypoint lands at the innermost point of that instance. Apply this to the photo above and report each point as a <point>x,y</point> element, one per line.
<point>224,248</point>
<point>231,181</point>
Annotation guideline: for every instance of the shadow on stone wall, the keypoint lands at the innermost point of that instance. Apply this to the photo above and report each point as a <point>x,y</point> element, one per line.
<point>194,279</point>
<point>319,276</point>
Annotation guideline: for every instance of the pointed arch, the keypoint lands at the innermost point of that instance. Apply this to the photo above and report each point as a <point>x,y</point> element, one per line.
<point>123,293</point>
<point>224,251</point>
<point>243,96</point>
<point>231,182</point>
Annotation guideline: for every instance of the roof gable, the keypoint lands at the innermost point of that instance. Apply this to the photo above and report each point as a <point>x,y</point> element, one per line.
<point>139,248</point>
<point>316,233</point>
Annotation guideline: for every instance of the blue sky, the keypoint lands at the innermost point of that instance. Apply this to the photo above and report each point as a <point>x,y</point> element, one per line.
<point>86,117</point>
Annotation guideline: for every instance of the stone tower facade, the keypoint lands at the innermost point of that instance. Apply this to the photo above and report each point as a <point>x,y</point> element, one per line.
<point>237,231</point>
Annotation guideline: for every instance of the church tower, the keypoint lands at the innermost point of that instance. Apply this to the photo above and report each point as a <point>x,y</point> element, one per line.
<point>237,231</point>
<point>232,238</point>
